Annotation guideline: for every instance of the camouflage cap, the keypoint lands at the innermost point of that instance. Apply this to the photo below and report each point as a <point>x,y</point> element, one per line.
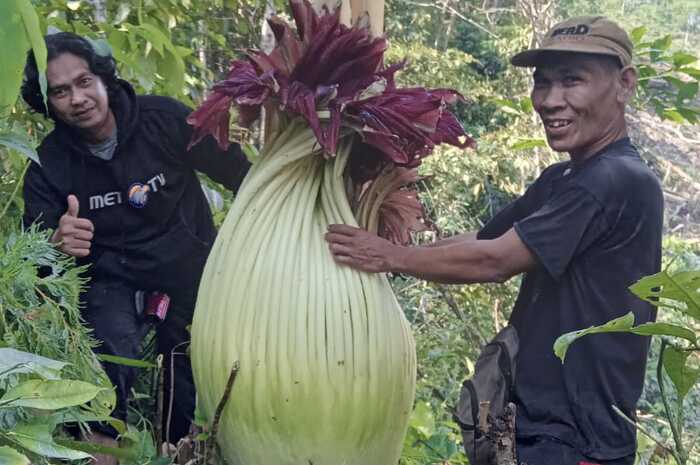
<point>583,34</point>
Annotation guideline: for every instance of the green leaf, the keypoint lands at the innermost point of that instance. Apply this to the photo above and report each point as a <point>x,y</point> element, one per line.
<point>36,40</point>
<point>690,71</point>
<point>49,394</point>
<point>24,362</point>
<point>687,91</point>
<point>682,375</point>
<point>665,329</point>
<point>9,456</point>
<point>527,144</point>
<point>250,152</point>
<point>623,324</point>
<point>130,362</point>
<point>75,416</point>
<point>662,44</point>
<point>673,115</point>
<point>682,59</point>
<point>423,420</point>
<point>12,31</point>
<point>680,291</point>
<point>561,345</point>
<point>20,143</point>
<point>637,33</point>
<point>36,437</point>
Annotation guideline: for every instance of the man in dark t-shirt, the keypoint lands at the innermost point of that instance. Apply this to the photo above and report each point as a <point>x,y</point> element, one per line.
<point>581,234</point>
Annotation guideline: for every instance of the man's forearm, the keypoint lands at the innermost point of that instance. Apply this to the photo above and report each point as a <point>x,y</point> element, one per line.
<point>456,239</point>
<point>459,262</point>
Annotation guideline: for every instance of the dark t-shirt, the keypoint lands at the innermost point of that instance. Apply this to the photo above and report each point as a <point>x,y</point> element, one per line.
<point>594,229</point>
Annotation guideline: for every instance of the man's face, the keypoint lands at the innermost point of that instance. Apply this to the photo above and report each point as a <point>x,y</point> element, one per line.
<point>579,101</point>
<point>77,96</point>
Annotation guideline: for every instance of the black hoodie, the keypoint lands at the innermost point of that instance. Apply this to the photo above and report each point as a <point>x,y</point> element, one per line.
<point>153,226</point>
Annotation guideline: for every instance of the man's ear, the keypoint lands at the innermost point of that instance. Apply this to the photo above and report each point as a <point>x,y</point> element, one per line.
<point>628,84</point>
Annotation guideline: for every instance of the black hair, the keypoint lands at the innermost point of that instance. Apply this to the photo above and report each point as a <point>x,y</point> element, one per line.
<point>105,67</point>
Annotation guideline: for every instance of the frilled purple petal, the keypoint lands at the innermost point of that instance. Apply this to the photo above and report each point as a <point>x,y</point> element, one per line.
<point>450,131</point>
<point>289,48</point>
<point>212,117</point>
<point>244,85</point>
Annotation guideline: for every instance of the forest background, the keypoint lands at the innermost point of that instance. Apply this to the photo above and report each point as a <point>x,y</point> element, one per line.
<point>180,47</point>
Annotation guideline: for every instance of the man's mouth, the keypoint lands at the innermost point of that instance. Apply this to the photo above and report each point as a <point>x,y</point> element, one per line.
<point>556,123</point>
<point>82,113</point>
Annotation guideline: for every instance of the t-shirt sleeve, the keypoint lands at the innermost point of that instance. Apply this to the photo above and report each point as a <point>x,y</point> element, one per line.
<point>562,228</point>
<point>503,221</point>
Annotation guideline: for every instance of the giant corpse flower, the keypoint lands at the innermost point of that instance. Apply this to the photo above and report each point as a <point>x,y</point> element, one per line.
<point>326,356</point>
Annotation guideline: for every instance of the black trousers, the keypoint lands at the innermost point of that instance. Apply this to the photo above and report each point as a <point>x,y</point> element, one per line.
<point>110,310</point>
<point>545,450</point>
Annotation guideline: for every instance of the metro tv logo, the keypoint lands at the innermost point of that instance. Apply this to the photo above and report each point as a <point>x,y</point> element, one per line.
<point>579,30</point>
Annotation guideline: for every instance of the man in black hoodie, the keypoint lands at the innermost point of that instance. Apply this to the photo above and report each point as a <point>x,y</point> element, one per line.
<point>117,184</point>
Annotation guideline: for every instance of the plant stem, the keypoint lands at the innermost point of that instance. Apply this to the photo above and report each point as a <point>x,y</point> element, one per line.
<point>220,407</point>
<point>14,191</point>
<point>678,452</point>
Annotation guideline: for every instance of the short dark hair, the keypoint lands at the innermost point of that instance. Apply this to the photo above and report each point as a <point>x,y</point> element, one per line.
<point>105,67</point>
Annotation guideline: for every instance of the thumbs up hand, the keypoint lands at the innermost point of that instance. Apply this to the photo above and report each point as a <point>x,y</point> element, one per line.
<point>73,235</point>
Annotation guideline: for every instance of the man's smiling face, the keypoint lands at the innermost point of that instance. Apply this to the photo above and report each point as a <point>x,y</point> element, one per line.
<point>579,100</point>
<point>78,97</point>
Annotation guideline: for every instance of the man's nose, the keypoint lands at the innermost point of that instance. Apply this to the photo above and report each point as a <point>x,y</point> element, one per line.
<point>553,99</point>
<point>77,97</point>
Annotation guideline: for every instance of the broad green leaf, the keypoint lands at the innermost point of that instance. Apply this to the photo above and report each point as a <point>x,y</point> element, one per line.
<point>692,115</point>
<point>36,40</point>
<point>153,35</point>
<point>687,91</point>
<point>49,394</point>
<point>662,44</point>
<point>682,59</point>
<point>75,415</point>
<point>19,143</point>
<point>422,419</point>
<point>673,115</point>
<point>665,329</point>
<point>637,33</point>
<point>24,362</point>
<point>676,365</point>
<point>623,324</point>
<point>130,362</point>
<point>527,144</point>
<point>690,71</point>
<point>9,456</point>
<point>561,345</point>
<point>36,437</point>
<point>680,291</point>
<point>12,31</point>
<point>172,69</point>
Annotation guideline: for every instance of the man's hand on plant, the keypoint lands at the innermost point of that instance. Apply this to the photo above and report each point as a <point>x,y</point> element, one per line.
<point>73,235</point>
<point>361,249</point>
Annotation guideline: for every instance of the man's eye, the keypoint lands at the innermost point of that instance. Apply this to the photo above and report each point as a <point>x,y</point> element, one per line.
<point>85,81</point>
<point>58,93</point>
<point>570,80</point>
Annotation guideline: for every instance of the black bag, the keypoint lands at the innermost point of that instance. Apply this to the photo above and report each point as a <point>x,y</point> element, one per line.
<point>493,381</point>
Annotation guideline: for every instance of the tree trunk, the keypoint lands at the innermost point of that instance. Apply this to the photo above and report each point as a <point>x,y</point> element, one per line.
<point>352,10</point>
<point>100,7</point>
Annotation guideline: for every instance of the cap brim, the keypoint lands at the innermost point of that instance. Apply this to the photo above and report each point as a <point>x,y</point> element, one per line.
<point>531,58</point>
